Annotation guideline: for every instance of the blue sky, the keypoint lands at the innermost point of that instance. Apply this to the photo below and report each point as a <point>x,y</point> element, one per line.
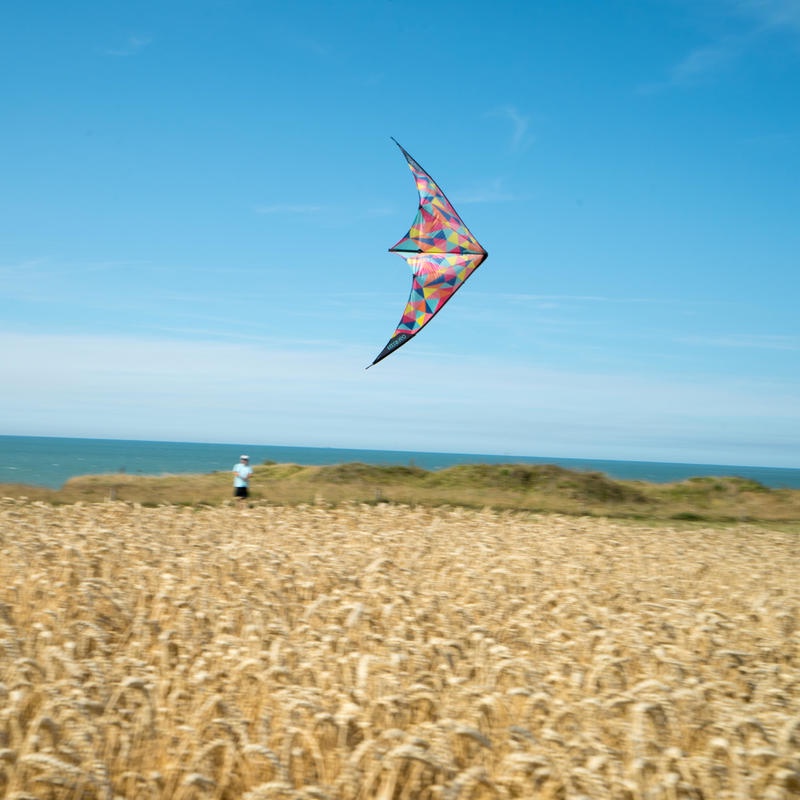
<point>197,199</point>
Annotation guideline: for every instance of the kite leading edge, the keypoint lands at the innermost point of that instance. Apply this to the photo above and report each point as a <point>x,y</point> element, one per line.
<point>441,252</point>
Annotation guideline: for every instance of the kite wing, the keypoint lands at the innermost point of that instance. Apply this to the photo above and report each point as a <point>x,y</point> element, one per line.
<point>441,252</point>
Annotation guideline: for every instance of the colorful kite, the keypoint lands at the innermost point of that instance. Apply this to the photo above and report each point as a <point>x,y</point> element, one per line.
<point>441,252</point>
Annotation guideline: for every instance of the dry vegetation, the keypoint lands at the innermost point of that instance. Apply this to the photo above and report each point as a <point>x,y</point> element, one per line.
<point>540,488</point>
<point>386,652</point>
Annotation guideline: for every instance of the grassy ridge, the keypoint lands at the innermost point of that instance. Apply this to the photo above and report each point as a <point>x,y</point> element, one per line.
<point>546,488</point>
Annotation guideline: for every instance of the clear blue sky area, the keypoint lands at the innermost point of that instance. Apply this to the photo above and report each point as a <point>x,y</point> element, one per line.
<point>197,199</point>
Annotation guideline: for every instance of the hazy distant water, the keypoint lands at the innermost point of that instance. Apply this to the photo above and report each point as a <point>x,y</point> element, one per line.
<point>50,461</point>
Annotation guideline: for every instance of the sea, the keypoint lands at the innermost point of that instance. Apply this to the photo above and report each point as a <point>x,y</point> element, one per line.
<point>50,461</point>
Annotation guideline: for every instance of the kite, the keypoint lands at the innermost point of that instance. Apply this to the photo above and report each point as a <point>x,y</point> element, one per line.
<point>441,252</point>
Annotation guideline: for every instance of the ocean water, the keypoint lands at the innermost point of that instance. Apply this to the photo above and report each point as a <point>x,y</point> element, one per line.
<point>50,461</point>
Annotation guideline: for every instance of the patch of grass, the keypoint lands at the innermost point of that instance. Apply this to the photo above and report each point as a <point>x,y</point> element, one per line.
<point>366,473</point>
<point>526,487</point>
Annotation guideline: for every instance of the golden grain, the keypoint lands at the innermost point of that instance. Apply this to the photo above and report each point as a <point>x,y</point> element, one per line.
<point>388,652</point>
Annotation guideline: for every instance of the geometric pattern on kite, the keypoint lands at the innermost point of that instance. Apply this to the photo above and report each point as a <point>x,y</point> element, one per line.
<point>441,252</point>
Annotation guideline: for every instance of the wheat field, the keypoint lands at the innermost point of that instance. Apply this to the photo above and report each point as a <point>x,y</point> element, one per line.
<point>393,653</point>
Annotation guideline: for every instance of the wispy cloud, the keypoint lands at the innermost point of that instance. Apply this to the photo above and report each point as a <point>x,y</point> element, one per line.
<point>520,124</point>
<point>132,46</point>
<point>700,65</point>
<point>535,410</point>
<point>378,211</point>
<point>770,14</point>
<point>705,61</point>
<point>554,300</point>
<point>746,340</point>
<point>492,192</point>
<point>22,267</point>
<point>755,22</point>
<point>289,208</point>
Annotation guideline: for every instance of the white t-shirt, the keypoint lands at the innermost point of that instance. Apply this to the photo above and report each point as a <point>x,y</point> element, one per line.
<point>242,474</point>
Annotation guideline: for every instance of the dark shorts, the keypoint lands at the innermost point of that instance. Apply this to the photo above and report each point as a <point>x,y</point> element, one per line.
<point>240,491</point>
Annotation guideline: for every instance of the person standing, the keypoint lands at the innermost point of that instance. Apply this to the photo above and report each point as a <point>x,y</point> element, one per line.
<point>241,477</point>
